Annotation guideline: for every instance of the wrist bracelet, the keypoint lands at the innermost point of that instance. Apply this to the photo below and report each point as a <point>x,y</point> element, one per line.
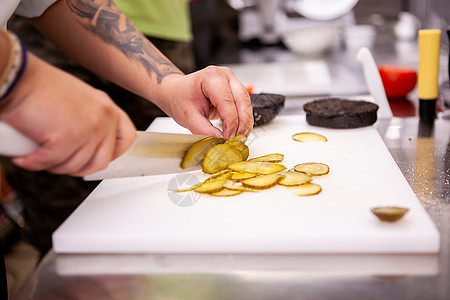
<point>16,66</point>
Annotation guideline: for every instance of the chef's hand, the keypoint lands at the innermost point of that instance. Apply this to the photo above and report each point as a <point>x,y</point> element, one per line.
<point>211,93</point>
<point>79,129</point>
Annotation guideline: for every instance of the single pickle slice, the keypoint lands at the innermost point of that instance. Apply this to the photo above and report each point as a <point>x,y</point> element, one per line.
<point>210,186</point>
<point>313,168</point>
<point>241,175</point>
<point>257,168</point>
<point>238,186</point>
<point>226,193</point>
<point>196,153</point>
<point>186,189</point>
<point>224,174</point>
<point>389,213</point>
<point>294,178</point>
<point>307,189</point>
<point>239,146</point>
<point>309,137</point>
<point>262,182</point>
<point>273,158</point>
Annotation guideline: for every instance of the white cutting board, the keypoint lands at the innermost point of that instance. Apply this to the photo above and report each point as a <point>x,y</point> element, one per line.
<point>139,215</point>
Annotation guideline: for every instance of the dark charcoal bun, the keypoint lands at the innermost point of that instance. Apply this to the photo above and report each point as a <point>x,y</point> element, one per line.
<point>340,113</point>
<point>266,107</point>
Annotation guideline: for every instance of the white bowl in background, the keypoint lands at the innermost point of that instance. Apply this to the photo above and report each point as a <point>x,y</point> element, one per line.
<point>312,40</point>
<point>323,10</point>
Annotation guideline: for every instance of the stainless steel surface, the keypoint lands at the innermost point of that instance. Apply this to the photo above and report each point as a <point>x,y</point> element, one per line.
<point>423,155</point>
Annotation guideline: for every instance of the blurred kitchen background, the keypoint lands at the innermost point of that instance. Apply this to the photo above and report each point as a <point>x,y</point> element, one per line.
<point>266,35</point>
<point>253,23</point>
<point>306,48</point>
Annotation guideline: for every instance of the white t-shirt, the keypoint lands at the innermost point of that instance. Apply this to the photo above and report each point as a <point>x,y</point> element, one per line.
<point>26,8</point>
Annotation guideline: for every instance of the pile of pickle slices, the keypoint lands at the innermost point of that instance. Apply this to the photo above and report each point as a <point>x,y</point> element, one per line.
<point>232,174</point>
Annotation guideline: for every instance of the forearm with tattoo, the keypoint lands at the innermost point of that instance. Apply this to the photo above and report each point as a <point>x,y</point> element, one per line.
<point>105,20</point>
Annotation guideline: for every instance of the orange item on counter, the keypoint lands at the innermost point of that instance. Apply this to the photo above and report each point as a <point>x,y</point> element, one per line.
<point>250,89</point>
<point>397,80</point>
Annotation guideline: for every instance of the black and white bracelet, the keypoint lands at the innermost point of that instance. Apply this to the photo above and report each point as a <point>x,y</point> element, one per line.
<point>16,66</point>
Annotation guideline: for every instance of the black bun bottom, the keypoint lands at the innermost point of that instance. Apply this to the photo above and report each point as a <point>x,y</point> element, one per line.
<point>266,107</point>
<point>340,113</point>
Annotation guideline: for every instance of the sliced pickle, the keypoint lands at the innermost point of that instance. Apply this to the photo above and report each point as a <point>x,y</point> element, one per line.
<point>309,137</point>
<point>313,168</point>
<point>186,189</point>
<point>224,174</point>
<point>238,186</point>
<point>210,186</point>
<point>241,175</point>
<point>262,182</point>
<point>389,213</point>
<point>226,193</point>
<point>239,146</point>
<point>273,158</point>
<point>196,153</point>
<point>257,168</point>
<point>294,178</point>
<point>242,138</point>
<point>218,157</point>
<point>306,189</point>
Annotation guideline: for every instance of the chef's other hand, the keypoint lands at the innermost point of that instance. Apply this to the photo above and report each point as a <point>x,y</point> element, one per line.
<point>79,128</point>
<point>211,93</point>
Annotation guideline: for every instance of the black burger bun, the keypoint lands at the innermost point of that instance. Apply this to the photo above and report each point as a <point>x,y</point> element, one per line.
<point>340,113</point>
<point>266,107</point>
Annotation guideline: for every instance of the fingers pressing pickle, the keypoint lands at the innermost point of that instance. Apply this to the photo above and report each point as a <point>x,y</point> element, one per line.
<point>309,137</point>
<point>306,189</point>
<point>196,153</point>
<point>242,138</point>
<point>294,178</point>
<point>273,158</point>
<point>389,213</point>
<point>257,168</point>
<point>262,182</point>
<point>313,168</point>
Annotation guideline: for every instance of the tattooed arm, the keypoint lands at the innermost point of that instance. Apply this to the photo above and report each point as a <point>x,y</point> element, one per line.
<point>99,36</point>
<point>79,129</point>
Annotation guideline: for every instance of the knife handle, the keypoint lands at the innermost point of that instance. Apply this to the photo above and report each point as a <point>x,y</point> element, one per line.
<point>13,143</point>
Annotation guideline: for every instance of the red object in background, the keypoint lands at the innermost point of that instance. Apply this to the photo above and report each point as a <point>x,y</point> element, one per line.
<point>402,107</point>
<point>397,80</point>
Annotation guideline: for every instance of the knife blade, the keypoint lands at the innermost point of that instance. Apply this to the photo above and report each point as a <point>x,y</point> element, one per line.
<point>152,153</point>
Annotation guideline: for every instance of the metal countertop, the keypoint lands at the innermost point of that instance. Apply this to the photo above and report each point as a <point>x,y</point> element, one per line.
<point>422,152</point>
<point>423,155</point>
